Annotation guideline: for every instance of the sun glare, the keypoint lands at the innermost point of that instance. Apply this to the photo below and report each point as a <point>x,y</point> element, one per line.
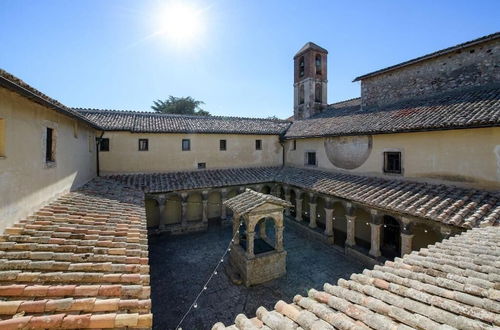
<point>181,22</point>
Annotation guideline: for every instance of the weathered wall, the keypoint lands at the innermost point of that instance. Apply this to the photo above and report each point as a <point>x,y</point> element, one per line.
<point>473,66</point>
<point>468,156</point>
<point>165,152</point>
<point>26,182</point>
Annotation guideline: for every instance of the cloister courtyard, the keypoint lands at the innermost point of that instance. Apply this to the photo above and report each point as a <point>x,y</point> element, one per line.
<point>180,265</point>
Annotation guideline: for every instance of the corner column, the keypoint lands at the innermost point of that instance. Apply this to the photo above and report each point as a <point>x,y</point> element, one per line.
<point>312,210</point>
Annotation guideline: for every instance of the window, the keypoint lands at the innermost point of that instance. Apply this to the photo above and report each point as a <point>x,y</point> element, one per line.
<point>104,144</point>
<point>2,137</point>
<point>302,66</point>
<point>392,162</point>
<point>222,145</point>
<point>317,63</point>
<point>294,145</point>
<point>301,94</point>
<point>186,144</point>
<point>318,95</point>
<point>50,144</point>
<point>202,166</point>
<point>311,158</point>
<point>143,144</point>
<point>258,144</point>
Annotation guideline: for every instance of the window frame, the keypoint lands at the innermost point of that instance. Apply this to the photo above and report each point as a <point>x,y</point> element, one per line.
<point>294,144</point>
<point>50,145</point>
<point>258,144</point>
<point>307,154</point>
<point>202,166</point>
<point>223,145</point>
<point>385,165</point>
<point>188,148</point>
<point>147,145</point>
<point>101,145</point>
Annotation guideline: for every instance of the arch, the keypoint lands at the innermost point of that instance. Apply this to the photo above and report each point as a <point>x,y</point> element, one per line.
<point>194,207</point>
<point>302,66</point>
<point>173,209</point>
<point>390,237</point>
<point>152,213</point>
<point>265,235</point>
<point>214,205</point>
<point>339,224</point>
<point>318,63</point>
<point>425,235</point>
<point>320,212</point>
<point>265,189</point>
<point>362,228</point>
<point>305,207</point>
<point>301,94</point>
<point>318,93</point>
<point>293,201</point>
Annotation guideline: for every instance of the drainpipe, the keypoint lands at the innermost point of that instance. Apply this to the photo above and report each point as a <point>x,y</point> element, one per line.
<point>98,144</point>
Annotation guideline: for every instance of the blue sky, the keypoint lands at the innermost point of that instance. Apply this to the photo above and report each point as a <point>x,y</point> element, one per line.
<point>105,54</point>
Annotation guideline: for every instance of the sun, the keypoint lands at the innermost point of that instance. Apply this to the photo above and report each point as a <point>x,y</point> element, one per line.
<point>181,22</point>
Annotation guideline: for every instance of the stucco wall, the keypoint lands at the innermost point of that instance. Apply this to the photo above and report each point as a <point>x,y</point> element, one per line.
<point>468,156</point>
<point>26,182</point>
<point>165,152</point>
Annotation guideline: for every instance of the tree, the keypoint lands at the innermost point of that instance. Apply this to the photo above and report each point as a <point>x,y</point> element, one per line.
<point>180,105</point>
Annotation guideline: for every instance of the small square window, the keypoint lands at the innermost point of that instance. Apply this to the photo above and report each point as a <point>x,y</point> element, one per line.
<point>50,145</point>
<point>104,144</point>
<point>294,145</point>
<point>310,158</point>
<point>202,166</point>
<point>186,144</point>
<point>258,144</point>
<point>222,145</point>
<point>143,144</point>
<point>392,162</point>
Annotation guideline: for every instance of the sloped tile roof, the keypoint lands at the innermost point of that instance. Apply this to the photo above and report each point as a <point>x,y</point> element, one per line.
<point>13,83</point>
<point>79,262</point>
<point>183,180</point>
<point>449,285</point>
<point>250,199</point>
<point>477,107</point>
<point>462,207</point>
<point>149,122</point>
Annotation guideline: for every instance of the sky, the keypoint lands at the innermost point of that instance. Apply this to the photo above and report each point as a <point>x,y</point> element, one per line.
<point>236,56</point>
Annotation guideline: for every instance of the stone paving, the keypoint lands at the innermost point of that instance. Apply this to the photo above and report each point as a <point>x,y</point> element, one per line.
<point>180,265</point>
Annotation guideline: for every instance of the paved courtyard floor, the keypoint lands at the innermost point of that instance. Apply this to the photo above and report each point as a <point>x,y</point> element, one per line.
<point>180,265</point>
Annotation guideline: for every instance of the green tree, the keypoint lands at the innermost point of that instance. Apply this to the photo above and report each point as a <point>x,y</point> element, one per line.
<point>180,105</point>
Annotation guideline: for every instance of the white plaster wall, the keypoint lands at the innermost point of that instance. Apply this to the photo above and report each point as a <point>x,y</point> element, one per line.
<point>26,183</point>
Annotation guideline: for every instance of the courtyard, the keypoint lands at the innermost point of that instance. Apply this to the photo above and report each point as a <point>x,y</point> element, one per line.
<point>180,265</point>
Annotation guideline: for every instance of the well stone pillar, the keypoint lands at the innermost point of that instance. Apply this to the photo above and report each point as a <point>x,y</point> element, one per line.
<point>236,228</point>
<point>250,243</point>
<point>184,206</point>
<point>204,216</point>
<point>223,197</point>
<point>262,229</point>
<point>279,239</point>
<point>351,230</point>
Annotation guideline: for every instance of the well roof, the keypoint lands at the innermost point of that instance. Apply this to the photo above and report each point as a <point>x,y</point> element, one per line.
<point>249,200</point>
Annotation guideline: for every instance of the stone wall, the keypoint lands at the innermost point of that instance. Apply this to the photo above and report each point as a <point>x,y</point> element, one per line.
<point>473,66</point>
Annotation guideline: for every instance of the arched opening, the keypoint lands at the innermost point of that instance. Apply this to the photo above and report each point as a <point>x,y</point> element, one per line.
<point>425,235</point>
<point>362,229</point>
<point>302,66</point>
<point>194,207</point>
<point>266,190</point>
<point>305,207</point>
<point>293,201</point>
<point>390,238</point>
<point>214,206</point>
<point>317,63</point>
<point>152,213</point>
<point>339,224</point>
<point>301,94</point>
<point>318,93</point>
<point>320,213</point>
<point>265,236</point>
<point>173,209</point>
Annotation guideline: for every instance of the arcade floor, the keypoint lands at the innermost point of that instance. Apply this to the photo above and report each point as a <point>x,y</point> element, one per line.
<point>180,265</point>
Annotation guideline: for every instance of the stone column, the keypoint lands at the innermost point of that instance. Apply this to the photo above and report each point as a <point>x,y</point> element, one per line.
<point>250,241</point>
<point>375,240</point>
<point>351,223</point>
<point>312,210</point>
<point>279,239</point>
<point>298,205</point>
<point>161,199</point>
<point>223,197</point>
<point>287,198</point>
<point>204,217</point>
<point>236,228</point>
<point>406,243</point>
<point>329,221</point>
<point>262,229</point>
<point>184,205</point>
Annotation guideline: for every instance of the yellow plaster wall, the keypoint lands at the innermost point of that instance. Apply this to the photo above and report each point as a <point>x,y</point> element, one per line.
<point>165,152</point>
<point>466,156</point>
<point>26,182</point>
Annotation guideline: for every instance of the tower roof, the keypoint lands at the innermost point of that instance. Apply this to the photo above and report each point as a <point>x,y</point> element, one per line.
<point>310,46</point>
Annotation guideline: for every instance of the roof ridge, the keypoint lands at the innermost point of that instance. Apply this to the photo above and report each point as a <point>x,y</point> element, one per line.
<point>346,100</point>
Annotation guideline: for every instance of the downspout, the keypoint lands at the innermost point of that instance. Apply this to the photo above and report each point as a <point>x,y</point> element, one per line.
<point>98,144</point>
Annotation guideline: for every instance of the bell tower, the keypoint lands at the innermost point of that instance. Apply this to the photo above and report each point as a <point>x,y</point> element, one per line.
<point>309,83</point>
